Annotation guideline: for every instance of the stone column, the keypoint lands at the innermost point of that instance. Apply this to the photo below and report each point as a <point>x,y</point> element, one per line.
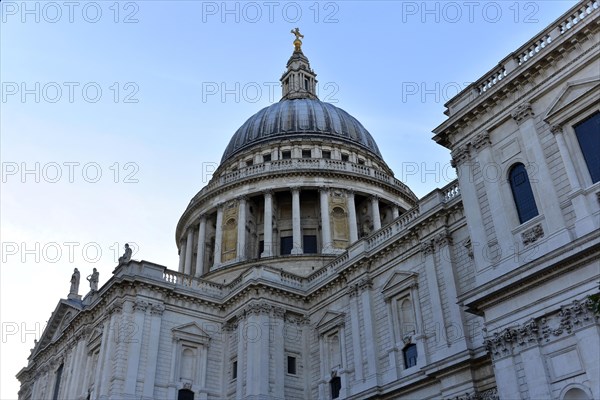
<point>201,247</point>
<point>493,189</point>
<point>241,233</point>
<point>325,223</point>
<point>268,225</point>
<point>135,347</point>
<point>218,237</point>
<point>547,196</point>
<point>583,224</point>
<point>189,251</point>
<point>375,213</point>
<point>352,216</point>
<point>444,244</point>
<point>364,287</point>
<point>355,323</point>
<point>152,355</point>
<point>296,222</point>
<point>433,288</point>
<point>468,193</point>
<point>182,247</point>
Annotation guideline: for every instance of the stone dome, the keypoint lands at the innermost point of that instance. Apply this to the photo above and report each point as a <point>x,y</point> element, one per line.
<point>300,118</point>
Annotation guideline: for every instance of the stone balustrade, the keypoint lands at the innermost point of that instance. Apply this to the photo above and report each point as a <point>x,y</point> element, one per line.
<point>298,165</point>
<point>520,59</point>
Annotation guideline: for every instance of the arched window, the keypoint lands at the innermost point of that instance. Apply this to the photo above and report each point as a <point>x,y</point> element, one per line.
<point>588,135</point>
<point>407,317</point>
<point>575,394</point>
<point>522,193</point>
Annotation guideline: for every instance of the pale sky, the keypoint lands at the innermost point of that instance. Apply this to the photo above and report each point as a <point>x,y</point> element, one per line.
<point>113,114</point>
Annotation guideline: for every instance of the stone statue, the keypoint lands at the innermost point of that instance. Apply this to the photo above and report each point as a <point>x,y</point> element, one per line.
<point>126,257</point>
<point>74,282</point>
<point>93,279</point>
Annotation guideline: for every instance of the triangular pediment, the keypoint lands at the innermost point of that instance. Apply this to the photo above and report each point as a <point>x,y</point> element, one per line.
<point>330,320</point>
<point>61,317</point>
<point>399,281</point>
<point>191,332</point>
<point>572,92</point>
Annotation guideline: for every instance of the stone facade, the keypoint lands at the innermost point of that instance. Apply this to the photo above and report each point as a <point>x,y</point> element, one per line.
<point>307,271</point>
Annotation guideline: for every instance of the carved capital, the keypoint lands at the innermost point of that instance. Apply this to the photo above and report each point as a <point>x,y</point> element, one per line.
<point>481,140</point>
<point>365,284</point>
<point>427,247</point>
<point>556,129</point>
<point>522,112</point>
<point>443,239</point>
<point>352,290</point>
<point>279,312</point>
<point>115,307</point>
<point>140,305</point>
<point>532,234</point>
<point>157,309</point>
<point>460,155</point>
<point>258,308</point>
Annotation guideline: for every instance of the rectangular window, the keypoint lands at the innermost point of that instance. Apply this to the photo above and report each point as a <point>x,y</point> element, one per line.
<point>361,161</point>
<point>326,154</point>
<point>286,155</point>
<point>291,365</point>
<point>306,154</point>
<point>261,247</point>
<point>345,157</point>
<point>249,163</point>
<point>287,242</point>
<point>410,355</point>
<point>310,244</point>
<point>588,135</point>
<point>266,157</point>
<point>234,370</point>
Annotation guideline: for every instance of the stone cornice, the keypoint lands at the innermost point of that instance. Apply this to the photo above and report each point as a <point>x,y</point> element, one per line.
<point>532,274</point>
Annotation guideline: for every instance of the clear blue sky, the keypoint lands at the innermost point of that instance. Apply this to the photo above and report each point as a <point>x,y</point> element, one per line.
<point>162,119</point>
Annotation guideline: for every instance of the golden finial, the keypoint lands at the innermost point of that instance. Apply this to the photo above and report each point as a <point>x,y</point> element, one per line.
<point>297,42</point>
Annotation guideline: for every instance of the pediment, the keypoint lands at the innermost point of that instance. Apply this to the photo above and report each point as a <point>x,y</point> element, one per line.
<point>59,320</point>
<point>570,94</point>
<point>330,320</point>
<point>399,281</point>
<point>191,332</point>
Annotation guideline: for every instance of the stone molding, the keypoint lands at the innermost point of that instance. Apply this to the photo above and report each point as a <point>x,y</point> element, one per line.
<point>489,394</point>
<point>157,309</point>
<point>481,140</point>
<point>427,247</point>
<point>140,305</point>
<point>556,129</point>
<point>536,331</point>
<point>460,154</point>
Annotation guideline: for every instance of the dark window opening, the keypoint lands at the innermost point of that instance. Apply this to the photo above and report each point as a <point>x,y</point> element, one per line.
<point>310,244</point>
<point>306,154</point>
<point>306,84</point>
<point>326,154</point>
<point>588,135</point>
<point>336,386</point>
<point>261,247</point>
<point>287,242</point>
<point>249,163</point>
<point>266,157</point>
<point>522,193</point>
<point>361,161</point>
<point>59,372</point>
<point>410,355</point>
<point>345,157</point>
<point>185,394</point>
<point>286,155</point>
<point>234,370</point>
<point>291,365</point>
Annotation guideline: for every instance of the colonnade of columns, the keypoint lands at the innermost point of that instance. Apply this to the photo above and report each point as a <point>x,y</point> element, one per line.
<point>327,247</point>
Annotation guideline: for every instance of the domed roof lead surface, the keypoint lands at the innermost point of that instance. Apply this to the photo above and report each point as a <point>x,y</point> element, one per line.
<point>299,118</point>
